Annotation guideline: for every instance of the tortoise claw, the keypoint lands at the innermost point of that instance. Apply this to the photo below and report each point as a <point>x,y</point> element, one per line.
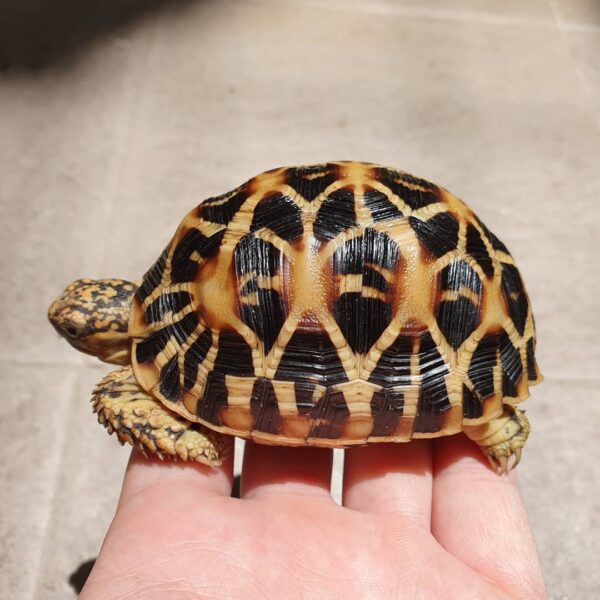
<point>517,455</point>
<point>499,464</point>
<point>502,439</point>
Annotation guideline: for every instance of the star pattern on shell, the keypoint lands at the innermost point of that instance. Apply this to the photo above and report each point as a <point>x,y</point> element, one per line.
<point>334,304</point>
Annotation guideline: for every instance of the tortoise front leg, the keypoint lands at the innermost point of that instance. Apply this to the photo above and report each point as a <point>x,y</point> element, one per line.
<point>137,418</point>
<point>501,438</point>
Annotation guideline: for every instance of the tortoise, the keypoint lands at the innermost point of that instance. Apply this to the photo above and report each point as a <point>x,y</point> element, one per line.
<point>327,305</point>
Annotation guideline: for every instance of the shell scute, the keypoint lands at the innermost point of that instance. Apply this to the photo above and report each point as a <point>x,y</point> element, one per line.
<point>458,311</point>
<point>336,215</point>
<point>414,192</point>
<point>476,249</point>
<point>280,214</point>
<point>381,207</point>
<point>222,209</point>
<point>311,181</point>
<point>193,246</point>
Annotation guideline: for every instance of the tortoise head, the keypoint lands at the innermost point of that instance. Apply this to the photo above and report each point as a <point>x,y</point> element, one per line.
<point>93,315</point>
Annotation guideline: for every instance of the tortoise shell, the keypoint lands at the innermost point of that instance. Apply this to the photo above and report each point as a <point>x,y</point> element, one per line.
<point>331,305</point>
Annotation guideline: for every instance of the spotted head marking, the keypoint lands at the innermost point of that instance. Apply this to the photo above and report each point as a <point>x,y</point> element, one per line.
<point>93,315</point>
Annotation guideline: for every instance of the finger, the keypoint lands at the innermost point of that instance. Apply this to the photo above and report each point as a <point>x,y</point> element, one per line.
<point>479,517</point>
<point>145,473</point>
<point>390,478</point>
<point>270,471</point>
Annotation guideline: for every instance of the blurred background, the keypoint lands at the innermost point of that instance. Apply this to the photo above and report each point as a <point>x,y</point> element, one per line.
<point>116,117</point>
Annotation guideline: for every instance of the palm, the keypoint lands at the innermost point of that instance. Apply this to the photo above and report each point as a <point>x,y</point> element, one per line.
<point>426,520</point>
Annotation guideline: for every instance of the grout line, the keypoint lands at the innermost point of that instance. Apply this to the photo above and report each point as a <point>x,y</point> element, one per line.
<point>463,16</point>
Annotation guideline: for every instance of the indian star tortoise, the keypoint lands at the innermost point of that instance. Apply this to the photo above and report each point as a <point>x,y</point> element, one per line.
<point>327,305</point>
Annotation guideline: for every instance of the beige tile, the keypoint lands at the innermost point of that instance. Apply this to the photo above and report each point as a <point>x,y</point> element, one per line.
<point>560,480</point>
<point>61,478</point>
<point>585,50</point>
<point>85,491</point>
<point>34,401</point>
<point>62,135</point>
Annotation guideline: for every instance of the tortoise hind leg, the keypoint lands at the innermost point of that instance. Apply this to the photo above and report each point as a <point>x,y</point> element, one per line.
<point>501,438</point>
<point>139,419</point>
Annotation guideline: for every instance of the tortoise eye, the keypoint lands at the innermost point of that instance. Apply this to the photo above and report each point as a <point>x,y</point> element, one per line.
<point>71,331</point>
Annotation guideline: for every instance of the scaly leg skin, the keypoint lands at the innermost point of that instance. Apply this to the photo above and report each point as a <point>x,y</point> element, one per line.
<point>501,438</point>
<point>137,418</point>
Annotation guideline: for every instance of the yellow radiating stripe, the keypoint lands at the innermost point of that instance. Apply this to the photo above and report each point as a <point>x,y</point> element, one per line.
<point>221,201</point>
<point>350,283</point>
<point>250,299</point>
<point>465,292</point>
<point>369,292</point>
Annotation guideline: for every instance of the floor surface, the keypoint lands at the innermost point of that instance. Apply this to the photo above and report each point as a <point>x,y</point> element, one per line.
<point>115,121</point>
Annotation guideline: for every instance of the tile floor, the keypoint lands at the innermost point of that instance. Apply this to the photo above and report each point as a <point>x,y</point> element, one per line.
<point>119,128</point>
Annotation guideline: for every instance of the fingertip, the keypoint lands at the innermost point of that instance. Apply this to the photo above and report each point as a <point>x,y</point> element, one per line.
<point>479,516</point>
<point>145,472</point>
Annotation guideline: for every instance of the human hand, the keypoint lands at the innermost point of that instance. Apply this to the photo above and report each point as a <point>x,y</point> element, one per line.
<point>428,519</point>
